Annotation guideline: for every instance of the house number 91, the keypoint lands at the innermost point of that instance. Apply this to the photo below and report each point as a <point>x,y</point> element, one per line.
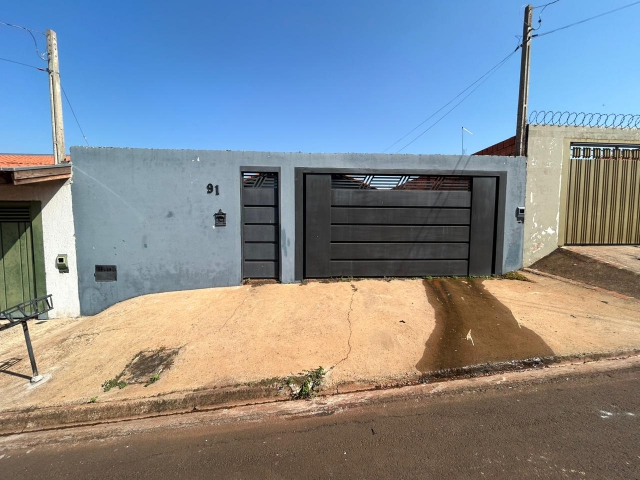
<point>211,188</point>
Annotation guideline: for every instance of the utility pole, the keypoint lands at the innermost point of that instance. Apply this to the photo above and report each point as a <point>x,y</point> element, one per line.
<point>523,97</point>
<point>55,95</point>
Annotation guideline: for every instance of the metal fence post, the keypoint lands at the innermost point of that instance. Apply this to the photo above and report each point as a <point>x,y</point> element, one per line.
<point>36,377</point>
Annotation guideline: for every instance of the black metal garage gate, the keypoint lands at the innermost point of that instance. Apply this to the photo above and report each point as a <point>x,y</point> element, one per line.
<point>399,225</point>
<point>260,225</point>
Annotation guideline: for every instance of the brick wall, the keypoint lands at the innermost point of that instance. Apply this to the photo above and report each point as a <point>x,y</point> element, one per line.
<point>505,148</point>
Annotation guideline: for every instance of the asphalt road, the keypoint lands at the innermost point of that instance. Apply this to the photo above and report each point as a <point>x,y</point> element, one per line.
<point>570,427</point>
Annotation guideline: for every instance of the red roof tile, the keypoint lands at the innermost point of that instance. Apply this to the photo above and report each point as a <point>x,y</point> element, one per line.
<point>26,160</point>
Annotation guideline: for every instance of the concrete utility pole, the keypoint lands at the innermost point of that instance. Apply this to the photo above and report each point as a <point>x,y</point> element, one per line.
<point>523,97</point>
<point>55,95</point>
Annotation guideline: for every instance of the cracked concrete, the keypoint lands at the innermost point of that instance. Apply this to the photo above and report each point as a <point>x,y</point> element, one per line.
<point>346,357</point>
<point>236,335</point>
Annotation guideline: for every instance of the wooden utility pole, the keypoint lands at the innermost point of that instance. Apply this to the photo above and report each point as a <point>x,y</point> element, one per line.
<point>523,97</point>
<point>55,95</point>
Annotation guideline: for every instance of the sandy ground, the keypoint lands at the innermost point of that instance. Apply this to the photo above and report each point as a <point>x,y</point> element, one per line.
<point>622,256</point>
<point>571,319</point>
<point>226,336</point>
<point>369,330</point>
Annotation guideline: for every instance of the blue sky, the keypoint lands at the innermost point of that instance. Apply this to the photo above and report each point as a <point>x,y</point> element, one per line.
<point>302,75</point>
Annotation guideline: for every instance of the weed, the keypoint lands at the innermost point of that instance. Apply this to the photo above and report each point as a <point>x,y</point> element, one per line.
<point>268,382</point>
<point>515,276</point>
<point>114,382</point>
<point>152,379</point>
<point>306,384</point>
<point>93,400</point>
<point>345,279</point>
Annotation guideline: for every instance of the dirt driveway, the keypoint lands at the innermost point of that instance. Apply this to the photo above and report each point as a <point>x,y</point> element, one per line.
<point>614,268</point>
<point>369,331</point>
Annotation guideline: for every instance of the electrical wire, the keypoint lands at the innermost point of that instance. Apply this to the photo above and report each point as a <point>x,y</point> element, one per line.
<point>74,116</point>
<point>42,56</point>
<point>541,12</point>
<point>486,77</point>
<point>449,102</point>
<point>24,64</point>
<point>546,4</point>
<point>585,20</point>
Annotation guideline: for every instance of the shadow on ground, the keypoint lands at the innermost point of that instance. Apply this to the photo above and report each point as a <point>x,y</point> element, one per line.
<point>473,327</point>
<point>6,364</point>
<point>567,264</point>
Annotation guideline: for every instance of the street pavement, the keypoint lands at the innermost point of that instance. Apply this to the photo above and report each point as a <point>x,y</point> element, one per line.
<point>583,425</point>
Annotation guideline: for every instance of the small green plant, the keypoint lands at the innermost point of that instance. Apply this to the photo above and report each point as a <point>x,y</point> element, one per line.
<point>306,384</point>
<point>112,383</point>
<point>93,400</point>
<point>515,276</point>
<point>152,379</point>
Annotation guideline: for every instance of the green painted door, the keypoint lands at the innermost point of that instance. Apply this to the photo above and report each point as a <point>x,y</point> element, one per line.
<point>17,267</point>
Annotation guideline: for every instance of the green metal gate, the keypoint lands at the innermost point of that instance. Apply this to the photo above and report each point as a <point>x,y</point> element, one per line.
<point>21,266</point>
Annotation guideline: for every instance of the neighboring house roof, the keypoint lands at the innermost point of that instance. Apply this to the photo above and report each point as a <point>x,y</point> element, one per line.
<point>506,148</point>
<point>26,160</point>
<point>21,169</point>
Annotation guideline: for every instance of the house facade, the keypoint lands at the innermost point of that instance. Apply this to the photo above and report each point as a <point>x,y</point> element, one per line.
<point>36,231</point>
<point>151,221</point>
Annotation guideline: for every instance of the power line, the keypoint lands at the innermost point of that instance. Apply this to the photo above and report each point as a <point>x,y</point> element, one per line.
<point>42,56</point>
<point>24,64</point>
<point>546,4</point>
<point>74,116</point>
<point>486,77</point>
<point>22,28</point>
<point>488,73</point>
<point>450,102</point>
<point>586,20</point>
<point>541,12</point>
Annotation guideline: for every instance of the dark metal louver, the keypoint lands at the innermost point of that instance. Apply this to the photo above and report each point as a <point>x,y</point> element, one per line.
<point>15,214</point>
<point>260,180</point>
<point>401,182</point>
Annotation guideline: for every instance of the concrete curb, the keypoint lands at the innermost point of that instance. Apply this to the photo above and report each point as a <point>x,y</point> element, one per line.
<point>66,416</point>
<point>60,417</point>
<point>576,283</point>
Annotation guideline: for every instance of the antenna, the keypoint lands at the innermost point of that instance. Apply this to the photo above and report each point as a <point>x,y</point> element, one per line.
<point>462,136</point>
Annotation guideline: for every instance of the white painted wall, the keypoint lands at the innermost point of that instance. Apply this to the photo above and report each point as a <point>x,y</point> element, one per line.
<point>547,152</point>
<point>59,238</point>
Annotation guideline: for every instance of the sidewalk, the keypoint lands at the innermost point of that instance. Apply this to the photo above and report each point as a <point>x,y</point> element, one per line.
<point>234,343</point>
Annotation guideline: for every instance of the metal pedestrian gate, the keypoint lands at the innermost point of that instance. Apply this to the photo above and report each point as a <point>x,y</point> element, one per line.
<point>399,225</point>
<point>603,195</point>
<point>260,225</point>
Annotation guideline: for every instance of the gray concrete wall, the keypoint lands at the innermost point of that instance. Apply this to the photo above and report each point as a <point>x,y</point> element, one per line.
<point>147,211</point>
<point>547,162</point>
<point>58,238</point>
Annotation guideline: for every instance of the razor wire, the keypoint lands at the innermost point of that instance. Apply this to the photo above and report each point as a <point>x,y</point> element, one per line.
<point>573,119</point>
